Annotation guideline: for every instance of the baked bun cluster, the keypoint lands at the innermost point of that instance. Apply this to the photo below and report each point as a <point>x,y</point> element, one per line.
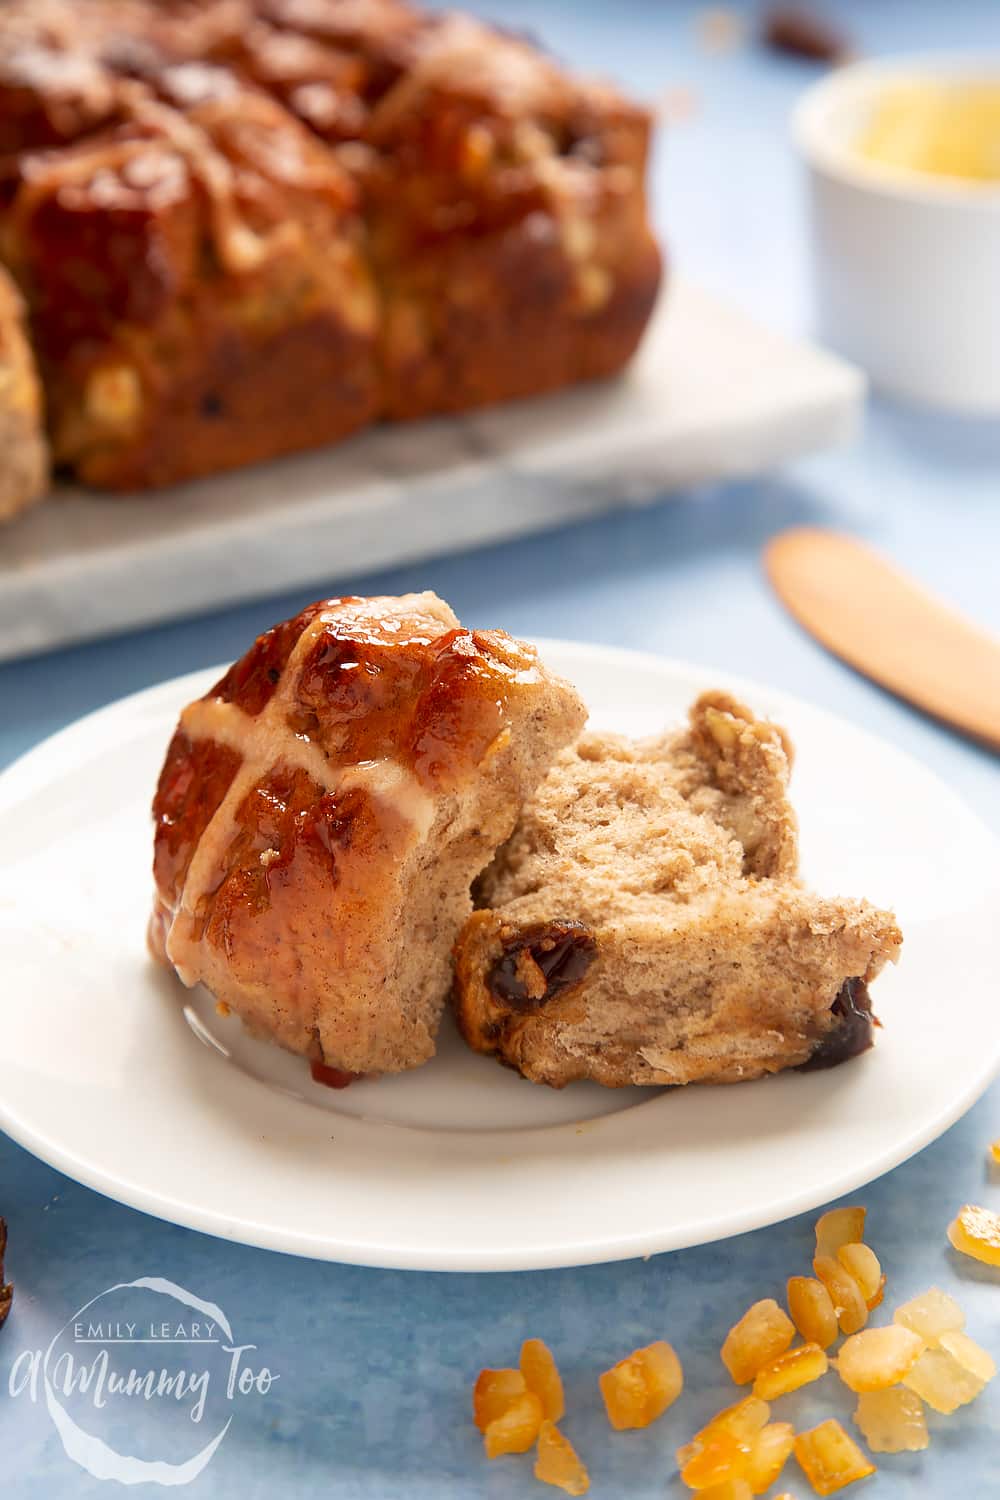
<point>247,227</point>
<point>375,809</point>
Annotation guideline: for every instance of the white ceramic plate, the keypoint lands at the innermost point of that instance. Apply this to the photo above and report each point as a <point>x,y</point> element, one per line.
<point>119,1077</point>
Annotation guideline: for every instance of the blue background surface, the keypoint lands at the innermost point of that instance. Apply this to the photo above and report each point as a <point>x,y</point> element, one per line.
<point>375,1367</point>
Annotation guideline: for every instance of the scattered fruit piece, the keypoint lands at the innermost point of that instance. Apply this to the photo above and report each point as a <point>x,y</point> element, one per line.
<point>861,1262</point>
<point>767,1456</point>
<point>892,1421</point>
<point>557,1462</point>
<point>878,1357</point>
<point>879,1296</point>
<point>931,1314</point>
<point>943,1381</point>
<point>729,1489</point>
<point>811,1307</point>
<point>830,1459</point>
<point>639,1388</point>
<point>848,1301</point>
<point>711,1458</point>
<point>6,1291</point>
<point>541,1375</point>
<point>763,1332</point>
<point>976,1232</point>
<point>790,1371</point>
<point>798,31</point>
<point>493,1392</point>
<point>516,1429</point>
<point>970,1355</point>
<point>995,1151</point>
<point>840,1226</point>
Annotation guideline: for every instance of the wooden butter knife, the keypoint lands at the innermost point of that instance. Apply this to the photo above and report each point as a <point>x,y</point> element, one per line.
<point>888,627</point>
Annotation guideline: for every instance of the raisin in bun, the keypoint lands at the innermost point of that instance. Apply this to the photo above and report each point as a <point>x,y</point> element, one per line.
<point>646,924</point>
<point>323,811</point>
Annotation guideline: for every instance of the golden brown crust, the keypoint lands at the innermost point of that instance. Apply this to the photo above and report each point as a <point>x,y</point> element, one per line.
<point>461,223</point>
<point>645,923</point>
<point>322,811</point>
<point>24,464</point>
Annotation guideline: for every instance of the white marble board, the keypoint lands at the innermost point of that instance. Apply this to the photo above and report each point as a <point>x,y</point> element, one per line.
<point>711,395</point>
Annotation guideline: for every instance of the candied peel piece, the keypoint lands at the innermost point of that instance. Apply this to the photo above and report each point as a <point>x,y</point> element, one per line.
<point>942,1380</point>
<point>763,1332</point>
<point>877,1358</point>
<point>861,1262</point>
<point>736,1488</point>
<point>892,1421</point>
<point>6,1290</point>
<point>493,1392</point>
<point>930,1315</point>
<point>976,1231</point>
<point>790,1371</point>
<point>639,1388</point>
<point>541,1375</point>
<point>995,1151</point>
<point>516,1429</point>
<point>970,1355</point>
<point>767,1457</point>
<point>812,1311</point>
<point>830,1458</point>
<point>848,1300</point>
<point>557,1462</point>
<point>711,1458</point>
<point>839,1226</point>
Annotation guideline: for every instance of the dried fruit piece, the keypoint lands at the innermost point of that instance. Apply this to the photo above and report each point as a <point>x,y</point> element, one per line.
<point>840,1226</point>
<point>493,1392</point>
<point>711,1458</point>
<point>557,1462</point>
<point>970,1355</point>
<point>861,1262</point>
<point>516,1429</point>
<point>995,1151</point>
<point>942,1380</point>
<point>878,1357</point>
<point>830,1459</point>
<point>848,1301</point>
<point>541,1375</point>
<point>811,1307</point>
<point>763,1332</point>
<point>931,1314</point>
<point>790,1371</point>
<point>767,1456</point>
<point>976,1232</point>
<point>892,1421</point>
<point>6,1291</point>
<point>730,1489</point>
<point>639,1388</point>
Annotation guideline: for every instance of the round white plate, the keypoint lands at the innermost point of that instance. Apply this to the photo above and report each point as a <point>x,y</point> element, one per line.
<point>119,1077</point>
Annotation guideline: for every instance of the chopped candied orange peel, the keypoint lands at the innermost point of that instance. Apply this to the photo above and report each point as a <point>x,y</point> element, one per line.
<point>516,1429</point>
<point>930,1315</point>
<point>877,1358</point>
<point>976,1232</point>
<point>639,1388</point>
<point>723,1446</point>
<point>493,1392</point>
<point>892,1421</point>
<point>811,1307</point>
<point>736,1488</point>
<point>839,1226</point>
<point>952,1374</point>
<point>861,1262</point>
<point>767,1457</point>
<point>557,1462</point>
<point>790,1371</point>
<point>541,1375</point>
<point>848,1300</point>
<point>830,1458</point>
<point>763,1332</point>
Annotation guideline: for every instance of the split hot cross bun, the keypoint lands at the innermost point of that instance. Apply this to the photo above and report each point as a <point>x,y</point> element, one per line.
<point>323,810</point>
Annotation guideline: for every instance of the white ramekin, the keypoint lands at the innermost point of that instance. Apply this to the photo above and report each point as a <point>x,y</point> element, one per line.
<point>906,265</point>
